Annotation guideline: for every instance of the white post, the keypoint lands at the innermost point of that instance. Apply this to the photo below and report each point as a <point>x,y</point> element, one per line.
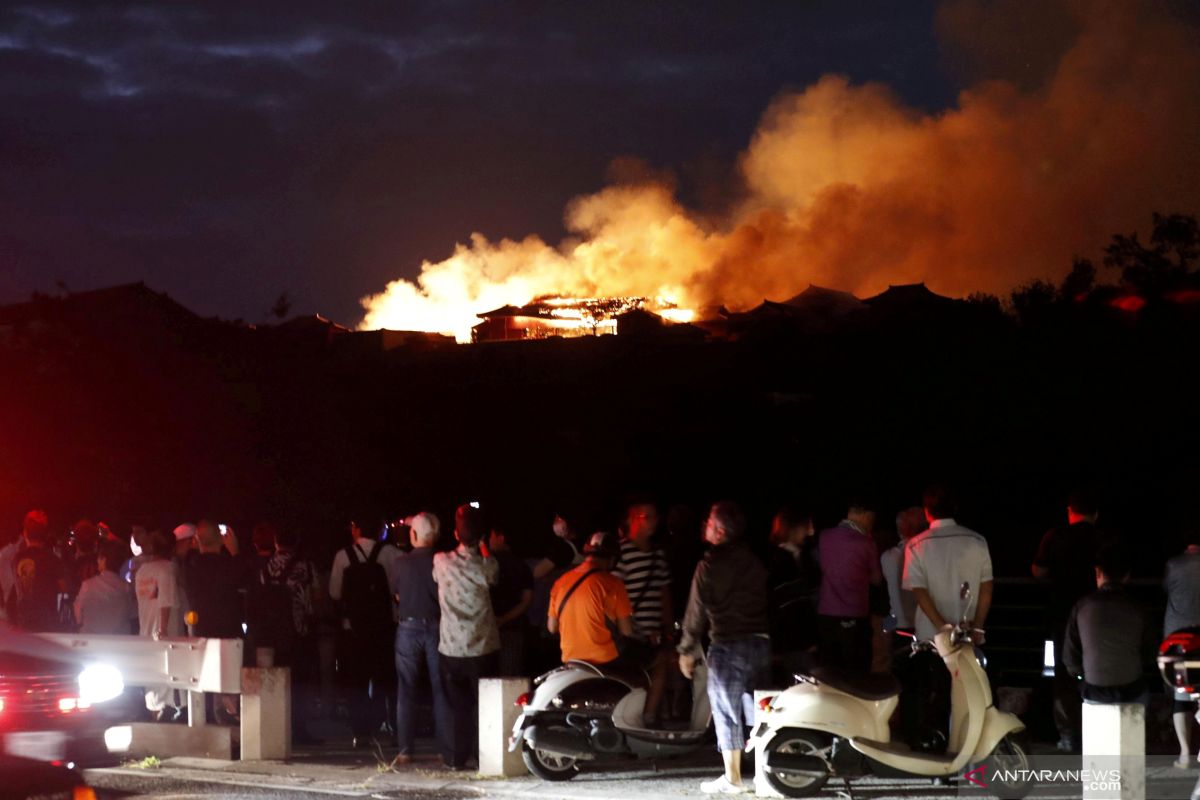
<point>197,713</point>
<point>1114,751</point>
<point>266,713</point>
<point>498,713</point>
<point>762,787</point>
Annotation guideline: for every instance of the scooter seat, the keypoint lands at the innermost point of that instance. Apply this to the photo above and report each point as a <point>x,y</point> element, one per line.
<point>867,685</point>
<point>631,676</point>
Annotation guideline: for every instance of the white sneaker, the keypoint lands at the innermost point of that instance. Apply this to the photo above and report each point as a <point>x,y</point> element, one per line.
<point>722,786</point>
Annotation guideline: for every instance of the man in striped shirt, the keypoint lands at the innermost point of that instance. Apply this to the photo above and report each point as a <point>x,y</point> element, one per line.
<point>647,577</point>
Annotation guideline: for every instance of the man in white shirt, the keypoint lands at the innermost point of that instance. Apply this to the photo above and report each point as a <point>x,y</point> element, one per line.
<point>936,564</point>
<point>105,603</point>
<point>387,557</point>
<point>909,523</point>
<point>939,561</point>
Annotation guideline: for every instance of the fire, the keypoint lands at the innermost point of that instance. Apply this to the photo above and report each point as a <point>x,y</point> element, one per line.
<point>845,186</point>
<point>569,317</point>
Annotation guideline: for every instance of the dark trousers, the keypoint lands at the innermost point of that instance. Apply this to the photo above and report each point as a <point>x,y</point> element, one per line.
<point>845,642</point>
<point>924,700</point>
<point>460,678</point>
<point>417,650</point>
<point>367,670</point>
<point>299,653</point>
<point>1068,713</point>
<point>512,650</point>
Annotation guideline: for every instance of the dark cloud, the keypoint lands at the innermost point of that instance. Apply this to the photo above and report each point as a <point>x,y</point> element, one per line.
<point>228,151</point>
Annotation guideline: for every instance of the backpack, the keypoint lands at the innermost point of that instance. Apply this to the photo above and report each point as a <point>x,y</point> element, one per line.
<point>274,624</point>
<point>366,595</point>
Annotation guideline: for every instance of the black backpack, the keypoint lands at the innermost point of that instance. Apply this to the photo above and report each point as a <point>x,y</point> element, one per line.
<point>366,595</point>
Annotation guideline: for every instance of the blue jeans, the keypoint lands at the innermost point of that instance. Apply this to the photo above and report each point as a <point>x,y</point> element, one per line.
<point>417,647</point>
<point>735,669</point>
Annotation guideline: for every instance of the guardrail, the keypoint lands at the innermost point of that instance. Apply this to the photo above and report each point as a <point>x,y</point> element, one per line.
<point>196,666</point>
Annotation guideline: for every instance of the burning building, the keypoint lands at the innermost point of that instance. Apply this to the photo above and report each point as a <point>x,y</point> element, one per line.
<point>569,317</point>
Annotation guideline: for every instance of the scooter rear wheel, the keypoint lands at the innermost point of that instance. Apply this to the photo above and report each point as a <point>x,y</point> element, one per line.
<point>797,742</point>
<point>548,766</point>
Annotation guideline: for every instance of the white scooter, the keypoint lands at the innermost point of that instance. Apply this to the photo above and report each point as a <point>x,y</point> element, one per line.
<point>834,723</point>
<point>584,713</point>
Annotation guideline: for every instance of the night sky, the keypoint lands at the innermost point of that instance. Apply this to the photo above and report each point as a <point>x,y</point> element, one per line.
<point>228,152</point>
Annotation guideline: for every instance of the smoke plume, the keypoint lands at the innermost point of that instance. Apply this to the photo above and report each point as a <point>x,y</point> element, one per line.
<point>845,186</point>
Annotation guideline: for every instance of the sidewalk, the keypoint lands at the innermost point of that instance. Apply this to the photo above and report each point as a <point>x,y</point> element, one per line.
<point>335,768</point>
<point>356,774</point>
<point>626,781</point>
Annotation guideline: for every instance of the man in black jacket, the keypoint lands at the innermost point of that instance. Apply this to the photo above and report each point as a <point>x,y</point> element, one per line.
<point>728,601</point>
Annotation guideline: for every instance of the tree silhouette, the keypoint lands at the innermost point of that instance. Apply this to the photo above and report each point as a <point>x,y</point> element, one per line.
<point>986,301</point>
<point>1034,300</point>
<point>1079,281</point>
<point>1165,264</point>
<point>282,306</point>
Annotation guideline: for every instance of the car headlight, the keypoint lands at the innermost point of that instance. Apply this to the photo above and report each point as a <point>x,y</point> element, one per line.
<point>100,682</point>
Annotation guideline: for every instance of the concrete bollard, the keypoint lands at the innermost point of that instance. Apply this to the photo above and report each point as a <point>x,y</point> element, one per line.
<point>762,788</point>
<point>266,713</point>
<point>1114,751</point>
<point>498,713</point>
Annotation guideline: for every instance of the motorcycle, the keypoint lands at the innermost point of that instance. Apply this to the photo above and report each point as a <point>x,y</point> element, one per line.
<point>836,724</point>
<point>1179,664</point>
<point>582,713</point>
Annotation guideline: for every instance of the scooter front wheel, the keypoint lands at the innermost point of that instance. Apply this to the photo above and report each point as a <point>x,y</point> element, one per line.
<point>795,741</point>
<point>548,766</point>
<point>1011,757</point>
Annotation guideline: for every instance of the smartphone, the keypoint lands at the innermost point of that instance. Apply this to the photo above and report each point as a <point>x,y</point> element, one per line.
<point>224,529</point>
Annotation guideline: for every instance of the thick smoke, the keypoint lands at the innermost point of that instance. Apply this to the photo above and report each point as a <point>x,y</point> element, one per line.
<point>845,186</point>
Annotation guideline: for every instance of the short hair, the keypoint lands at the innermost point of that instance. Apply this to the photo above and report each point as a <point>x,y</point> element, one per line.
<point>788,518</point>
<point>862,502</point>
<point>469,524</point>
<point>730,518</point>
<point>635,500</point>
<point>425,527</point>
<point>914,516</point>
<point>35,525</point>
<point>1113,561</point>
<point>208,534</point>
<point>263,536</point>
<point>114,554</point>
<point>286,537</point>
<point>160,544</point>
<point>938,501</point>
<point>1082,502</point>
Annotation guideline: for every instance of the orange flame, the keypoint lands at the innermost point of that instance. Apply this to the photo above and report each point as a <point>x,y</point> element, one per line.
<point>845,186</point>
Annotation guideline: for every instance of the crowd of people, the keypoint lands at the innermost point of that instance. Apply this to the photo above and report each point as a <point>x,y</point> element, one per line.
<point>412,625</point>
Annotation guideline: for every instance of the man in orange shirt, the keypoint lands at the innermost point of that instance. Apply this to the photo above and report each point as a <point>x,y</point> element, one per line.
<point>583,601</point>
